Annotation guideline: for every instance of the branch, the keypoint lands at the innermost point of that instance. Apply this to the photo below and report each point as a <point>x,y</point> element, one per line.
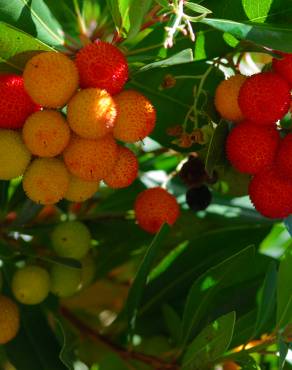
<point>155,362</point>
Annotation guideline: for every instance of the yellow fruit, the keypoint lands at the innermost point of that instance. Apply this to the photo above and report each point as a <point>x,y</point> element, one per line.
<point>230,365</point>
<point>136,116</point>
<point>71,239</point>
<point>14,156</point>
<point>88,270</point>
<point>226,97</point>
<point>65,280</point>
<point>50,78</point>
<point>46,180</point>
<point>9,319</point>
<point>90,159</point>
<point>31,284</point>
<point>80,190</point>
<point>92,113</point>
<point>46,133</point>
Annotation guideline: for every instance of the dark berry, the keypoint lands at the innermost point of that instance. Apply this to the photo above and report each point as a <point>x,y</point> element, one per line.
<point>193,172</point>
<point>198,199</point>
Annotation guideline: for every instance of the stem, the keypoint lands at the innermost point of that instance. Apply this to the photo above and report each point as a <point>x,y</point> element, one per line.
<point>171,31</point>
<point>81,23</point>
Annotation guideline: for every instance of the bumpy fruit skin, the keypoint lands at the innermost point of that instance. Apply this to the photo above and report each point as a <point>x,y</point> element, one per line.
<point>46,181</point>
<point>284,157</point>
<point>14,155</point>
<point>92,113</point>
<point>251,148</point>
<point>80,190</point>
<point>155,206</point>
<point>283,66</point>
<point>50,78</point>
<point>264,98</point>
<point>226,98</point>
<point>125,170</point>
<point>65,280</point>
<point>136,116</point>
<point>9,319</point>
<point>102,65</point>
<point>271,194</point>
<point>90,159</point>
<point>15,104</point>
<point>46,133</point>
<point>71,239</point>
<point>31,285</point>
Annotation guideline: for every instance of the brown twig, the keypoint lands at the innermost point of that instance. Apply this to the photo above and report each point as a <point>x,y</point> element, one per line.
<point>155,362</point>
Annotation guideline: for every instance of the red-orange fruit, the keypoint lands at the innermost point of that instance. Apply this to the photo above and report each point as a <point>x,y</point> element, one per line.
<point>91,113</point>
<point>271,194</point>
<point>89,159</point>
<point>226,98</point>
<point>102,65</point>
<point>154,207</point>
<point>125,170</point>
<point>264,98</point>
<point>284,157</point>
<point>15,103</point>
<point>136,116</point>
<point>283,66</point>
<point>251,148</point>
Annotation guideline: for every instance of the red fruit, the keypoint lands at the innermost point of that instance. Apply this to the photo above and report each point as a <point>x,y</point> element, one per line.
<point>271,194</point>
<point>284,66</point>
<point>15,104</point>
<point>264,98</point>
<point>250,148</point>
<point>102,65</point>
<point>155,206</point>
<point>284,157</point>
<point>125,170</point>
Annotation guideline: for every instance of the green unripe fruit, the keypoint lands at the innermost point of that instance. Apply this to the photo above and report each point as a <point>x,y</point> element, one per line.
<point>31,285</point>
<point>65,280</point>
<point>87,271</point>
<point>71,239</point>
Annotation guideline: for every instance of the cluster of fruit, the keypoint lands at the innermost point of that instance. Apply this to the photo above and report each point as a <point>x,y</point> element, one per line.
<point>257,145</point>
<point>31,284</point>
<point>68,116</point>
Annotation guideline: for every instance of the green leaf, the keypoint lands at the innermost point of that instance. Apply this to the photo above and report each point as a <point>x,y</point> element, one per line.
<point>284,291</point>
<point>16,47</point>
<point>273,36</point>
<point>112,361</point>
<point>138,10</point>
<point>207,285</point>
<point>210,344</point>
<point>137,288</point>
<point>197,8</point>
<point>208,245</point>
<point>257,10</point>
<point>267,299</point>
<point>172,322</point>
<point>184,56</point>
<point>33,17</point>
<point>35,347</point>
<point>216,148</point>
<point>113,6</point>
<point>283,351</point>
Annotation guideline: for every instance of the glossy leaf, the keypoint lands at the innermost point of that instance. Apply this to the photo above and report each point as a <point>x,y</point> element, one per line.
<point>33,17</point>
<point>136,290</point>
<point>16,48</point>
<point>211,343</point>
<point>284,291</point>
<point>273,36</point>
<point>204,288</point>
